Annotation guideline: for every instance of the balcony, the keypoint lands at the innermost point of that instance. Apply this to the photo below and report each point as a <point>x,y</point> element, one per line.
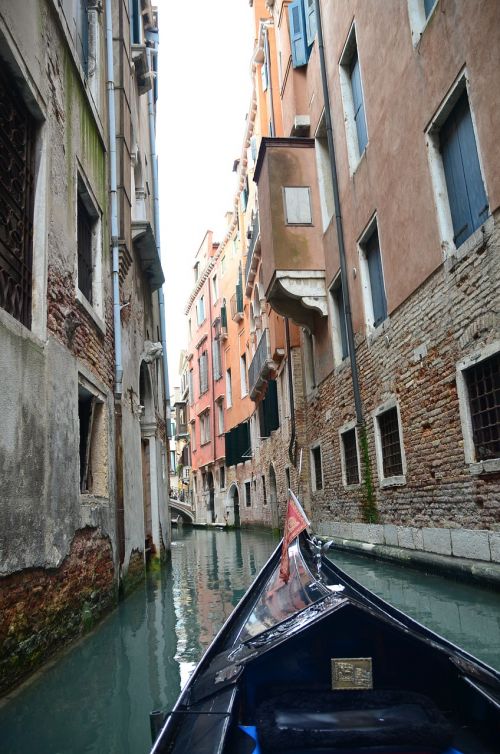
<point>253,256</point>
<point>261,366</point>
<point>220,324</point>
<point>291,229</point>
<point>237,304</point>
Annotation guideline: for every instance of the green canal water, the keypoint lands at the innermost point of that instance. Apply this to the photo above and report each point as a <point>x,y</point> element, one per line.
<point>96,697</point>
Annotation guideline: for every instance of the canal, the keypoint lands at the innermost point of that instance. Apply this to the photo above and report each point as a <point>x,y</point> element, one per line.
<point>96,697</point>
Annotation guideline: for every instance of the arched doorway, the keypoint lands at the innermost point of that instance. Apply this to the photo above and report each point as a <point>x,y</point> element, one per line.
<point>273,498</point>
<point>233,497</point>
<point>211,497</point>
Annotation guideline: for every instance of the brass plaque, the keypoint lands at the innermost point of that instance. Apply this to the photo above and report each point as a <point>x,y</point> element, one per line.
<point>351,673</point>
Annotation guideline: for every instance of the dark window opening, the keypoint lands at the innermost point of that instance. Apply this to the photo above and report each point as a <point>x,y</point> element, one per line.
<point>350,457</point>
<point>17,132</point>
<point>86,415</point>
<point>318,471</point>
<point>264,491</point>
<point>248,493</point>
<point>268,410</point>
<point>338,297</point>
<point>374,261</point>
<point>483,385</point>
<point>222,477</point>
<point>391,443</point>
<point>83,36</point>
<point>85,224</point>
<point>287,477</point>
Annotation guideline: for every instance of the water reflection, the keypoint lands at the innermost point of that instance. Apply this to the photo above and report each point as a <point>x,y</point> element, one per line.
<point>97,697</point>
<point>464,614</point>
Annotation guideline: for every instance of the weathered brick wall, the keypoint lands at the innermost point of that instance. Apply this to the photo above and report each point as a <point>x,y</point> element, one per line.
<point>454,314</point>
<point>68,321</point>
<point>42,609</point>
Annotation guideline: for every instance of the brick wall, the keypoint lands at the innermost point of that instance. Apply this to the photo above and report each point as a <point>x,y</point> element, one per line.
<point>450,317</point>
<point>42,609</point>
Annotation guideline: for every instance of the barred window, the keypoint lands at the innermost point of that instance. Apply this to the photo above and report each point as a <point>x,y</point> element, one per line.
<point>391,444</point>
<point>17,137</point>
<point>350,451</point>
<point>317,468</point>
<point>483,385</point>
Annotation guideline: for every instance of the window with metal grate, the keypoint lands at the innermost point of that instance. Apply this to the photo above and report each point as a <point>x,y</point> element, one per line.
<point>483,386</point>
<point>391,443</point>
<point>350,456</point>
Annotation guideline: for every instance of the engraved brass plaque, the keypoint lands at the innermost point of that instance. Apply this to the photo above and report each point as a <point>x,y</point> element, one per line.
<point>351,673</point>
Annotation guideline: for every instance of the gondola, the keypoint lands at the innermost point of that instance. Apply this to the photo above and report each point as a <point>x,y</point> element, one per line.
<point>311,662</point>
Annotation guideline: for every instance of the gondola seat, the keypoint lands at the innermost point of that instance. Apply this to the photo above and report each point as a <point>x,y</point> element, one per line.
<point>351,721</point>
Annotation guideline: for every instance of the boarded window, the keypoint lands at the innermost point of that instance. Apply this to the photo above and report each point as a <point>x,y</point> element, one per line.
<point>466,193</point>
<point>390,441</point>
<point>297,205</point>
<point>483,386</point>
<point>16,202</point>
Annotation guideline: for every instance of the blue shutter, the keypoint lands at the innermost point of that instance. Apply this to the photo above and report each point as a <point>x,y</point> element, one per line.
<point>135,25</point>
<point>310,21</point>
<point>466,194</point>
<point>359,105</point>
<point>339,296</point>
<point>374,260</point>
<point>298,37</point>
<point>428,6</point>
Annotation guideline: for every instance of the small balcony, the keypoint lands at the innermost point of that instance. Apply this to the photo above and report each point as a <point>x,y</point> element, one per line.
<point>291,235</point>
<point>261,366</point>
<point>237,304</point>
<point>253,256</point>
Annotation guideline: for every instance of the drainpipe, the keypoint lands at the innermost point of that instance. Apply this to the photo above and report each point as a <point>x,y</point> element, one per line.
<point>292,453</point>
<point>338,220</point>
<point>156,206</point>
<point>113,192</point>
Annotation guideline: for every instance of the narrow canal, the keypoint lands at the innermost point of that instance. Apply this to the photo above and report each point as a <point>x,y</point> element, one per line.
<point>96,698</point>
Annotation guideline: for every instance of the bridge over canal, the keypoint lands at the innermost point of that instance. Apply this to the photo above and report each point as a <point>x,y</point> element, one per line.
<point>181,510</point>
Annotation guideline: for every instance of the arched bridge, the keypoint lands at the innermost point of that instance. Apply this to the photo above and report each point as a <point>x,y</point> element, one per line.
<point>181,509</point>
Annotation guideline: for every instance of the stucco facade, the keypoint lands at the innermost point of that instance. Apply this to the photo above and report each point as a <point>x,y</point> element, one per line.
<point>76,488</point>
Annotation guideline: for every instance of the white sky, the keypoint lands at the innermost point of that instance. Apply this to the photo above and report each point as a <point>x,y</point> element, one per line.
<point>204,94</point>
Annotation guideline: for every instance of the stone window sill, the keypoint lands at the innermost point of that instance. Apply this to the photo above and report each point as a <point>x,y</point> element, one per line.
<point>471,245</point>
<point>373,333</point>
<point>87,306</point>
<point>488,466</point>
<point>393,481</point>
<point>87,498</point>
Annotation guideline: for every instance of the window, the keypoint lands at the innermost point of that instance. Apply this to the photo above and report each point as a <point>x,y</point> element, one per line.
<point>317,471</point>
<point>217,359</point>
<point>191,388</point>
<point>302,25</point>
<point>479,391</point>
<point>353,100</point>
<point>193,436</point>
<point>464,182</point>
<point>268,410</point>
<point>325,184</point>
<point>204,427</point>
<point>222,477</point>
<point>189,328</point>
<point>85,266</point>
<point>238,445</point>
<point>135,22</point>
<point>93,441</point>
<point>16,202</point>
<point>297,201</point>
<point>287,478</point>
<point>89,253</point>
<point>349,453</point>
<point>389,446</point>
<point>82,28</point>
<point>264,491</point>
<point>340,342</point>
<point>372,278</point>
<point>196,269</point>
<point>222,266</point>
<point>419,12</point>
<point>229,393</point>
<point>310,375</point>
<point>215,287</point>
<point>248,494</point>
<point>243,375</point>
<point>203,372</point>
<point>172,463</point>
<point>200,310</point>
<point>220,417</point>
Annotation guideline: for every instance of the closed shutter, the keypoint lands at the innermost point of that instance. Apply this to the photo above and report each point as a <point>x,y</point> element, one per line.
<point>359,105</point>
<point>298,37</point>
<point>203,364</point>
<point>310,21</point>
<point>466,193</point>
<point>428,6</point>
<point>374,261</point>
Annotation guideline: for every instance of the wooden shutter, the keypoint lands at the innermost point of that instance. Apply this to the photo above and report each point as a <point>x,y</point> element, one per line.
<point>376,280</point>
<point>359,106</point>
<point>298,37</point>
<point>466,193</point>
<point>310,21</point>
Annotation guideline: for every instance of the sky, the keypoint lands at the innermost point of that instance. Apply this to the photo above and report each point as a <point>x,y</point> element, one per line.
<point>204,94</point>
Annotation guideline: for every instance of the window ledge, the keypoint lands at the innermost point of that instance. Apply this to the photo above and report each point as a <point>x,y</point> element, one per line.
<point>87,498</point>
<point>87,306</point>
<point>375,332</point>
<point>488,466</point>
<point>474,244</point>
<point>393,481</point>
<point>17,328</point>
<point>359,161</point>
<point>344,364</point>
<point>202,444</point>
<point>352,486</point>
